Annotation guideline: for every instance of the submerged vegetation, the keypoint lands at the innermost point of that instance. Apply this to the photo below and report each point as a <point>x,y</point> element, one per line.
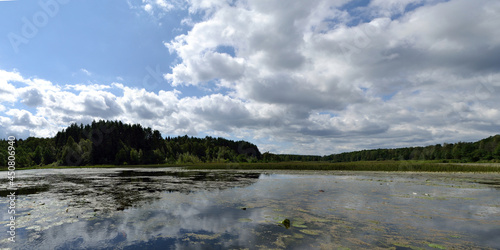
<point>169,208</point>
<point>113,143</point>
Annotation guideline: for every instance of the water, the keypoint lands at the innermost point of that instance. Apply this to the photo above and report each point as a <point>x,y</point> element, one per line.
<point>179,209</point>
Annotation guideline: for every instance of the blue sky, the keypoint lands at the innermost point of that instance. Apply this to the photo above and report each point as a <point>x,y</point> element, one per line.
<point>315,77</point>
<point>107,39</point>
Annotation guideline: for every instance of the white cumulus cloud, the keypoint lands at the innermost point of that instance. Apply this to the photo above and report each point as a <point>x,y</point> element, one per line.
<point>309,77</point>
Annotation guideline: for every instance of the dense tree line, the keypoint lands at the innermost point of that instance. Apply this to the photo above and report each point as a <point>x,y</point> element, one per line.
<point>484,150</point>
<point>113,142</point>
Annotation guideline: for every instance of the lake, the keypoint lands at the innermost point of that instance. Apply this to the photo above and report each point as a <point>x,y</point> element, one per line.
<point>172,208</point>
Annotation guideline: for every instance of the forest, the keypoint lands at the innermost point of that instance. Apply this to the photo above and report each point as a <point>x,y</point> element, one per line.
<point>116,143</point>
<point>485,150</point>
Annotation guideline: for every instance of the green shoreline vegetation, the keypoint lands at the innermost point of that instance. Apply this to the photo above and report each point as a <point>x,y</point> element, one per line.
<point>386,166</point>
<point>111,144</point>
<point>404,166</point>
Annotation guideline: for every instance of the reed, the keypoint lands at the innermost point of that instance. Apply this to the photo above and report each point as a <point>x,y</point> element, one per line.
<point>388,166</point>
<point>405,166</point>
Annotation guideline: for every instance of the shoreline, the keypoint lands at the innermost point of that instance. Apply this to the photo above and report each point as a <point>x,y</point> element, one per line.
<point>376,166</point>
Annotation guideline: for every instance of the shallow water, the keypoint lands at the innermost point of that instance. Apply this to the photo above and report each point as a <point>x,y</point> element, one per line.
<point>179,209</point>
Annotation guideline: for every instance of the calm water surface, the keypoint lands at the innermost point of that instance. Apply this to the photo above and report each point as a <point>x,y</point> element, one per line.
<point>179,209</point>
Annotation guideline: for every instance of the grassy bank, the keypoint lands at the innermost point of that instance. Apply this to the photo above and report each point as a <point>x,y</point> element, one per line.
<point>413,166</point>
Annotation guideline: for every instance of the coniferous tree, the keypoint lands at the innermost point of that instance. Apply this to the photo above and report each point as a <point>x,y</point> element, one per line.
<point>113,142</point>
<point>48,155</point>
<point>37,155</point>
<point>71,154</point>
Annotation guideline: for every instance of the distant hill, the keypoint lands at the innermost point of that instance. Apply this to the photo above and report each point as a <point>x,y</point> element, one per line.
<point>113,142</point>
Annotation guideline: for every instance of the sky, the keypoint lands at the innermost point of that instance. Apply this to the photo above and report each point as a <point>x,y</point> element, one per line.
<point>300,77</point>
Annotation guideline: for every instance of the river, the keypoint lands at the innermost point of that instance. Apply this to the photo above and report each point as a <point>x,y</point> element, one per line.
<point>173,208</point>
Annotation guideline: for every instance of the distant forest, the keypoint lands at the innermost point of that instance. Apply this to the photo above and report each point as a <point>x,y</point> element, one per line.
<point>485,150</point>
<point>116,143</point>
